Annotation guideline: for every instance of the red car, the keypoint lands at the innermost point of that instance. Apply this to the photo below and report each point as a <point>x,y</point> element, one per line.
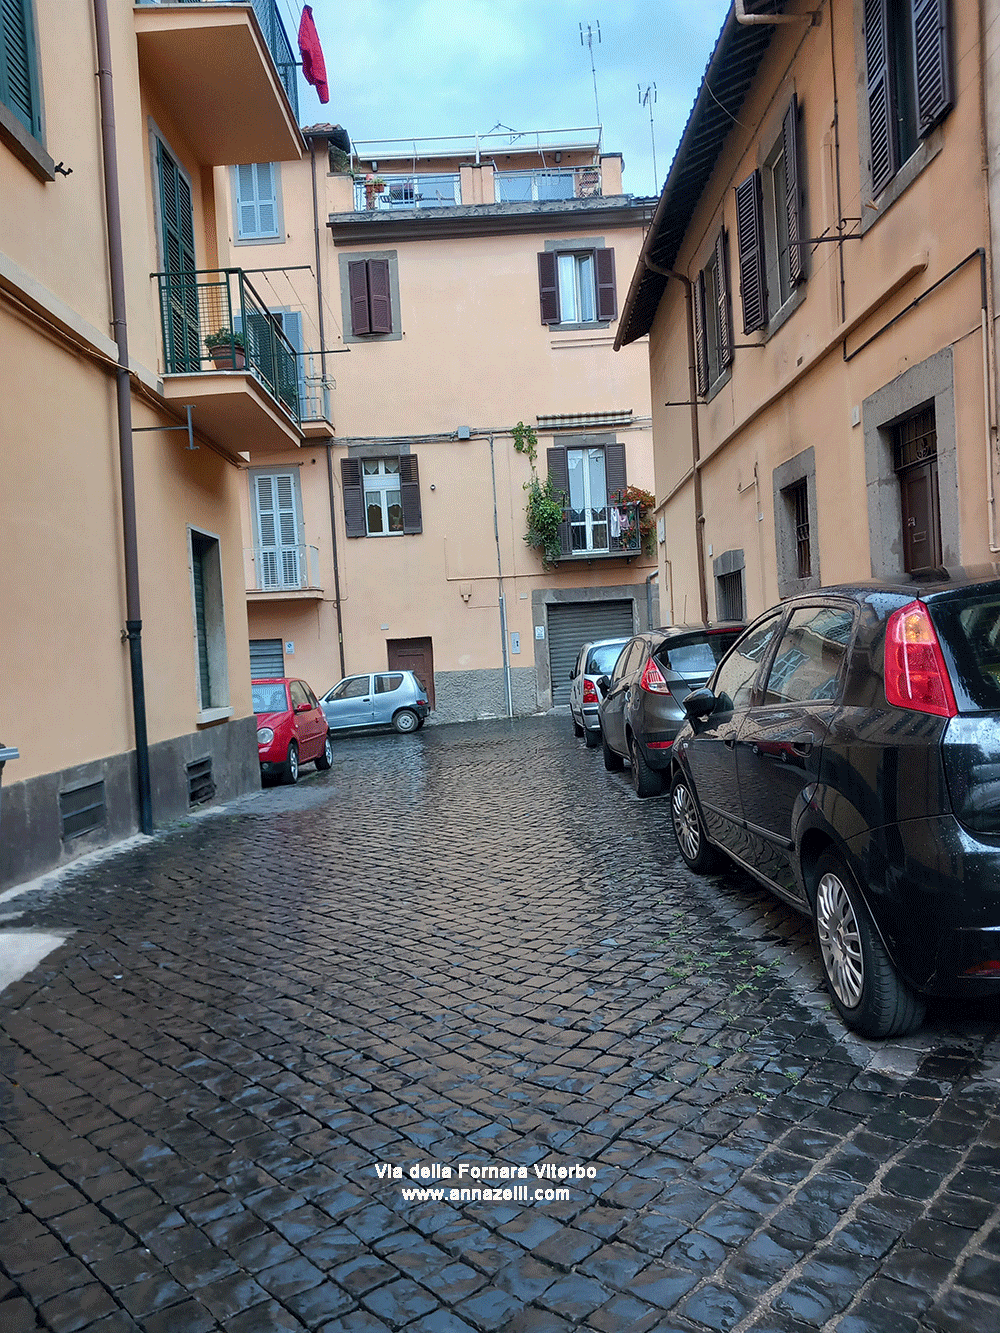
<point>291,728</point>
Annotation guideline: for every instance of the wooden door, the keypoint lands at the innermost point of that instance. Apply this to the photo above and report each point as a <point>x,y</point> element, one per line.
<point>921,516</point>
<point>416,655</point>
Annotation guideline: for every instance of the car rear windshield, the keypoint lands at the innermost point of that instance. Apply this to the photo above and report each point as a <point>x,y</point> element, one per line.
<point>696,655</point>
<point>601,660</point>
<point>970,629</point>
<point>269,697</point>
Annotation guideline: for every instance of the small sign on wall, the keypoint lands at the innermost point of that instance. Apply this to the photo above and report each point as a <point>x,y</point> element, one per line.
<point>290,647</point>
<point>539,631</point>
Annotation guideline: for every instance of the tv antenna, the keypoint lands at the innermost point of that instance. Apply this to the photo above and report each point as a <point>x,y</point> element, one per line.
<point>648,98</point>
<point>587,40</point>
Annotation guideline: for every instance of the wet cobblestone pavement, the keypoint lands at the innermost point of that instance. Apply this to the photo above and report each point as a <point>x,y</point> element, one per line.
<point>471,946</point>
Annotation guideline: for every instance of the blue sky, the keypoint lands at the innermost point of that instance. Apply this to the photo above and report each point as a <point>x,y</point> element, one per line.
<point>420,68</point>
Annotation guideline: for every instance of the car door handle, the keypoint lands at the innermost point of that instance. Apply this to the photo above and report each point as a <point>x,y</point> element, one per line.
<point>803,744</point>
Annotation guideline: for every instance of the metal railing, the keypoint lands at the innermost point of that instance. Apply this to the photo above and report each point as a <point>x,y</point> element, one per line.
<point>438,190</point>
<point>513,187</point>
<point>315,391</point>
<point>281,568</point>
<point>613,530</point>
<point>274,35</point>
<point>214,319</point>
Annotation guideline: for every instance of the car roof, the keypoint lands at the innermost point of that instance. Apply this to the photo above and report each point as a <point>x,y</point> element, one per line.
<point>273,680</point>
<point>921,583</point>
<point>711,626</point>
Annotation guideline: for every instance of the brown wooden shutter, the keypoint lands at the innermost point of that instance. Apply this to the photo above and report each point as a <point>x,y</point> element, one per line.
<point>607,297</point>
<point>357,282</point>
<point>700,333</point>
<point>724,311</point>
<point>378,291</point>
<point>548,289</point>
<point>750,248</point>
<point>409,489</point>
<point>793,202</point>
<point>354,498</point>
<point>880,113</point>
<point>559,477</point>
<point>933,63</point>
<point>614,469</point>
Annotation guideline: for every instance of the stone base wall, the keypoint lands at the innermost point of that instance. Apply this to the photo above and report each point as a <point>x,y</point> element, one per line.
<point>467,696</point>
<point>32,837</point>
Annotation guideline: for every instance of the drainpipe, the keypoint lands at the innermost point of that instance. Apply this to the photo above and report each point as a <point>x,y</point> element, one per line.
<point>811,16</point>
<point>988,315</point>
<point>649,597</point>
<point>500,593</point>
<point>699,517</point>
<point>133,612</point>
<point>336,562</point>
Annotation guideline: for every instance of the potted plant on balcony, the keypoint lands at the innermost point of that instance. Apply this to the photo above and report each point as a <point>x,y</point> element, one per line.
<point>374,185</point>
<point>226,348</point>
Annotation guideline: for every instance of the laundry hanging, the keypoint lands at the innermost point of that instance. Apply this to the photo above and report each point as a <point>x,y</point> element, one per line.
<point>313,64</point>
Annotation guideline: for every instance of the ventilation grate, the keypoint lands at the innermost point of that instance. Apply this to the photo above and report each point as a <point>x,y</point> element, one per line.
<point>201,788</point>
<point>82,809</point>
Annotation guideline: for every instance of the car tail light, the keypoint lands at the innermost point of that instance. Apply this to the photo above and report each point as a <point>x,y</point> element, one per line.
<point>590,692</point>
<point>652,679</point>
<point>915,673</point>
<point>987,969</point>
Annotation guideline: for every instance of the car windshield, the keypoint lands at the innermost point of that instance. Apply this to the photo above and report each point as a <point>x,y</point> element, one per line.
<point>698,655</point>
<point>602,658</point>
<point>970,628</point>
<point>269,697</point>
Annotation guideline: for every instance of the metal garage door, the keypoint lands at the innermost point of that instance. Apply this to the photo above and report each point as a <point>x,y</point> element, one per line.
<point>266,658</point>
<point>571,624</point>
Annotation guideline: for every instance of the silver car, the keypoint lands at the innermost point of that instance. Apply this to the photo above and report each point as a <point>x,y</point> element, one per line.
<point>595,659</point>
<point>382,699</point>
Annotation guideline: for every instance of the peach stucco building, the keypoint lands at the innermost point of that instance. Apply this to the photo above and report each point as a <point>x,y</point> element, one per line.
<point>440,293</point>
<point>818,279</point>
<point>122,562</point>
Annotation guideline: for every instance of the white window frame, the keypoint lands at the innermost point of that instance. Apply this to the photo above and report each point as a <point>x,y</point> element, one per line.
<point>571,266</point>
<point>589,521</point>
<point>380,484</point>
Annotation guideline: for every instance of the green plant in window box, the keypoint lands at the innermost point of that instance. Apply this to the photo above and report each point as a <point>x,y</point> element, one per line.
<point>546,507</point>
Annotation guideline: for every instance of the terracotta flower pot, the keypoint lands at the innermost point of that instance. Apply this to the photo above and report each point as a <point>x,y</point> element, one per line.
<point>228,358</point>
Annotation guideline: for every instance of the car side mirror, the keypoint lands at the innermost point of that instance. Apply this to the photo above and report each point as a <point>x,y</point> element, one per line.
<point>572,674</point>
<point>699,704</point>
<point>604,684</point>
<point>303,707</point>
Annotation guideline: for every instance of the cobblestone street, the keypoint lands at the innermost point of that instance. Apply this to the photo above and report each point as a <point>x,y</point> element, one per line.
<point>471,946</point>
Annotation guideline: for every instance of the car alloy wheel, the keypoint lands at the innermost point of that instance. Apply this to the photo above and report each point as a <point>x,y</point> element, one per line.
<point>687,825</point>
<point>840,941</point>
<point>292,765</point>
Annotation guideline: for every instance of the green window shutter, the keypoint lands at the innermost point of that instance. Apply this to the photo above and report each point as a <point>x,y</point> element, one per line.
<point>182,336</point>
<point>19,89</point>
<point>200,547</point>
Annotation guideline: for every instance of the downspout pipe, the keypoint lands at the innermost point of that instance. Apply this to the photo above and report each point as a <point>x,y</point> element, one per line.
<point>500,592</point>
<point>699,516</point>
<point>133,612</point>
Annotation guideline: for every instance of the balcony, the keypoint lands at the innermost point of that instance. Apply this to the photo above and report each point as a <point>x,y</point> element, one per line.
<point>226,354</point>
<point>596,534</point>
<point>277,573</point>
<point>438,190</point>
<point>521,187</point>
<point>226,73</point>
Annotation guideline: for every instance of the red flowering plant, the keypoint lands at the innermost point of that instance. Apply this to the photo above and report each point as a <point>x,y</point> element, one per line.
<point>645,504</point>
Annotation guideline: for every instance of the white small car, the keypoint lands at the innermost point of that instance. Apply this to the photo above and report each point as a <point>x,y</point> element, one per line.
<point>595,659</point>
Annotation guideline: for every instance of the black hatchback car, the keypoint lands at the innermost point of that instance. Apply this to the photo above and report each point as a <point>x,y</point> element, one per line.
<point>847,753</point>
<point>642,706</point>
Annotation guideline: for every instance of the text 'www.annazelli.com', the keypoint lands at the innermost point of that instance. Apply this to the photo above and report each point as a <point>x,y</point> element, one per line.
<point>488,1182</point>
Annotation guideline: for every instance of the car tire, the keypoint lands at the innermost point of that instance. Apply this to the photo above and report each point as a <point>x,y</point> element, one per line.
<point>592,738</point>
<point>324,760</point>
<point>689,831</point>
<point>291,773</point>
<point>645,780</point>
<point>406,720</point>
<point>420,722</point>
<point>614,763</point>
<point>868,993</point>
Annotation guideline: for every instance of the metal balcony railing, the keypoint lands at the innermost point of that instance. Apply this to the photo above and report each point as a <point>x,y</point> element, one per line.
<point>613,530</point>
<point>438,190</point>
<point>315,392</point>
<point>274,35</point>
<point>519,187</point>
<point>214,319</point>
<point>281,568</point>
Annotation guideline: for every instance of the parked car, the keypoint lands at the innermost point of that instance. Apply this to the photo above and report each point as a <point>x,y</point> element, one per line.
<point>381,699</point>
<point>642,710</point>
<point>594,659</point>
<point>847,753</point>
<point>291,728</point>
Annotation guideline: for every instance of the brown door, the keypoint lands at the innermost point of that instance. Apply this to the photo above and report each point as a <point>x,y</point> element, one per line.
<point>921,517</point>
<point>414,655</point>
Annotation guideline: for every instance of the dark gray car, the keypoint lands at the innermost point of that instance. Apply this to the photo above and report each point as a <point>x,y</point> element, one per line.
<point>642,709</point>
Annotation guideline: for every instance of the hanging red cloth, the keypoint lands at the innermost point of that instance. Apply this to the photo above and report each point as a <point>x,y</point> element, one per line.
<point>313,64</point>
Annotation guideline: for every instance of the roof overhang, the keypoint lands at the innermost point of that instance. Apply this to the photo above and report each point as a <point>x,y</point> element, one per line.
<point>731,70</point>
<point>210,66</point>
<point>415,224</point>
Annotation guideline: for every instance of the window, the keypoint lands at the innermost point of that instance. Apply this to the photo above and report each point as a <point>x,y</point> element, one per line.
<point>797,502</point>
<point>381,496</point>
<point>209,622</point>
<point>713,318</point>
<point>277,511</point>
<point>588,476</point>
<point>354,687</point>
<point>909,84</point>
<point>768,225</point>
<point>371,302</point>
<point>729,595</point>
<point>257,199</point>
<point>734,682</point>
<point>387,684</point>
<point>807,664</point>
<point>19,90</point>
<point>577,286</point>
